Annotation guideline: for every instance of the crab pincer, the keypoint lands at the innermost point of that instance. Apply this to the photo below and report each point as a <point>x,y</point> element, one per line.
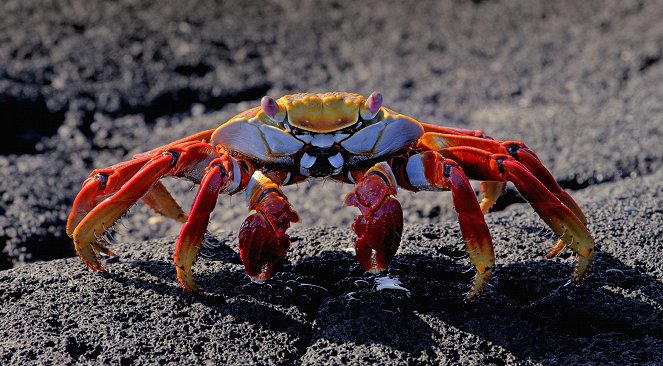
<point>380,225</point>
<point>263,241</point>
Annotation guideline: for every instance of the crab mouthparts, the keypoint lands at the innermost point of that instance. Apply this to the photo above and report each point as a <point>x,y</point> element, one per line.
<point>320,163</point>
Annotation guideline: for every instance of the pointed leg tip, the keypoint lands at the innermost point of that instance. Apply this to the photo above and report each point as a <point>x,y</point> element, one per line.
<point>95,265</point>
<point>471,296</point>
<point>479,284</point>
<point>583,266</point>
<point>189,288</point>
<point>185,278</point>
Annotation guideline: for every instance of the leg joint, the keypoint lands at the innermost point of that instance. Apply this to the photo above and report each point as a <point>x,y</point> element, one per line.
<point>265,192</point>
<point>500,165</point>
<point>447,169</point>
<point>513,147</point>
<point>381,175</point>
<point>175,155</point>
<point>102,178</point>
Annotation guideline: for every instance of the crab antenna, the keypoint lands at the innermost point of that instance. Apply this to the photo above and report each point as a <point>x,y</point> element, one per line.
<point>374,102</point>
<point>269,106</point>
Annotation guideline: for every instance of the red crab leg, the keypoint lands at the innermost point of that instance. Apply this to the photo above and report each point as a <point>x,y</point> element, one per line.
<point>431,171</point>
<point>380,225</point>
<point>111,192</point>
<point>163,203</point>
<point>204,136</point>
<point>104,215</point>
<point>99,185</point>
<point>520,152</point>
<point>263,241</point>
<point>452,130</point>
<point>102,183</point>
<point>564,223</point>
<point>222,174</point>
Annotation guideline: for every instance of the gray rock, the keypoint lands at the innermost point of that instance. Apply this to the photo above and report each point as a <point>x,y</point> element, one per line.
<point>321,308</point>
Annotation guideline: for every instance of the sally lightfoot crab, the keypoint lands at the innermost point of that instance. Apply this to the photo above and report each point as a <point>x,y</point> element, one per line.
<point>342,136</point>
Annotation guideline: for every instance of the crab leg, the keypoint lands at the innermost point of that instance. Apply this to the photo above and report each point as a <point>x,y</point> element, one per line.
<point>263,241</point>
<point>163,203</point>
<point>452,130</point>
<point>521,153</point>
<point>99,185</point>
<point>102,183</point>
<point>564,223</point>
<point>380,225</point>
<point>110,192</point>
<point>430,171</point>
<point>104,215</point>
<point>222,174</point>
<point>518,150</point>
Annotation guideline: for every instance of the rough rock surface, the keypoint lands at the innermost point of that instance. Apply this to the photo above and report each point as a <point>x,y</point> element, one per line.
<point>322,308</point>
<point>87,84</point>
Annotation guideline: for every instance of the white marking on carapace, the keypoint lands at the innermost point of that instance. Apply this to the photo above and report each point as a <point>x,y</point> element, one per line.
<point>280,143</point>
<point>363,140</point>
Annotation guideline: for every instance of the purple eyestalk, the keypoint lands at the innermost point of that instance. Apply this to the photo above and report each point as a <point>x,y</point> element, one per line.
<point>374,102</point>
<point>269,106</point>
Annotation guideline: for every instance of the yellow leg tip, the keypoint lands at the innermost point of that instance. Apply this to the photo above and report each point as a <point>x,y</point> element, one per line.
<point>480,282</point>
<point>185,278</point>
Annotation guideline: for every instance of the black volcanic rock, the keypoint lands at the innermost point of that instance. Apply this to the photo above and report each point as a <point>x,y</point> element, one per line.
<point>322,308</point>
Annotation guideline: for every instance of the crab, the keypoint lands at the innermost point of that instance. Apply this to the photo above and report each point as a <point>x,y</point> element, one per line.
<point>341,136</point>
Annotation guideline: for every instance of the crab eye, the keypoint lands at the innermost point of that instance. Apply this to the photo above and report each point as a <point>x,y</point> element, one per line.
<point>371,106</point>
<point>272,109</point>
<point>268,105</point>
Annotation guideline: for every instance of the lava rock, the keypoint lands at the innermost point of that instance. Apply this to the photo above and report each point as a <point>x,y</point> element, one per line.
<point>322,308</point>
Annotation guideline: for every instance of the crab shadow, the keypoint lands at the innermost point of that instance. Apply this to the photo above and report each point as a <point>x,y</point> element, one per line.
<point>531,309</point>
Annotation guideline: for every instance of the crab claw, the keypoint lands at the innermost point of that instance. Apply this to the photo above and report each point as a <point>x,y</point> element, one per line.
<point>378,235</point>
<point>380,225</point>
<point>263,241</point>
<point>260,247</point>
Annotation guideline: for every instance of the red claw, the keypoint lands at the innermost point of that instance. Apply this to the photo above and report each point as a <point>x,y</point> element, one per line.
<point>380,225</point>
<point>260,247</point>
<point>263,242</point>
<point>379,235</point>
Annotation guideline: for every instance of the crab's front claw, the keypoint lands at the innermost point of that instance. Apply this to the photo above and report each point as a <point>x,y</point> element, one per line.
<point>260,247</point>
<point>380,225</point>
<point>263,241</point>
<point>378,235</point>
